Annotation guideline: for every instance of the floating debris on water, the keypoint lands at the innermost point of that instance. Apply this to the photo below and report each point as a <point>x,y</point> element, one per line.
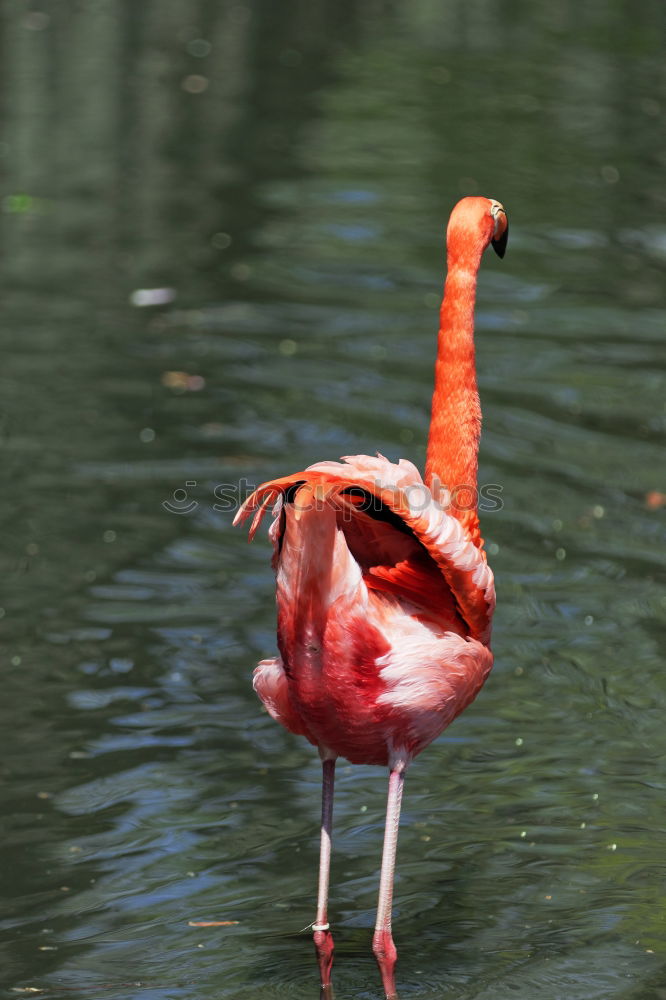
<point>141,297</point>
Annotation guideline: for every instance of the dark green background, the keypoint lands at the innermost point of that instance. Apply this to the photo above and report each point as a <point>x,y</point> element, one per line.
<point>287,170</point>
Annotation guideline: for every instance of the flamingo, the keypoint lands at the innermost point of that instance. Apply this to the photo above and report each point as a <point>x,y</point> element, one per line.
<point>384,595</point>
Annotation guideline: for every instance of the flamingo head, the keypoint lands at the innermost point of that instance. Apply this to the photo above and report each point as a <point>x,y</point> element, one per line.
<point>475,223</point>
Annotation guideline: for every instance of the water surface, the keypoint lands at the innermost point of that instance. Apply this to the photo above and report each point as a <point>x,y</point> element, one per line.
<point>283,174</point>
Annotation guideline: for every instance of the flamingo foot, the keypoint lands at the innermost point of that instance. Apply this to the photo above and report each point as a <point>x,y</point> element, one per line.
<point>323,942</point>
<point>386,954</point>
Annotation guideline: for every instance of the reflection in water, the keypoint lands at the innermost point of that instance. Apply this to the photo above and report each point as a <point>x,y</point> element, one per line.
<point>286,171</point>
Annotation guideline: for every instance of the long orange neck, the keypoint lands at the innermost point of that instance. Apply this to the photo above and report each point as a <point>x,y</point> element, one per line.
<point>455,427</point>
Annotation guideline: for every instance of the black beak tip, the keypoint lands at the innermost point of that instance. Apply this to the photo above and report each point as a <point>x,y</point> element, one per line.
<point>499,245</point>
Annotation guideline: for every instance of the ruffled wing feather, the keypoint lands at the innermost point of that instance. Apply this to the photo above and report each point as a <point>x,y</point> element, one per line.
<point>464,584</point>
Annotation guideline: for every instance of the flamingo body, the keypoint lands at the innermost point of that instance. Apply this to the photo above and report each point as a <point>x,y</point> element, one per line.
<point>384,609</point>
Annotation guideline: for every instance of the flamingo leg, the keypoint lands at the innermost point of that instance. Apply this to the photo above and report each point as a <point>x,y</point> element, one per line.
<point>323,939</point>
<point>382,942</point>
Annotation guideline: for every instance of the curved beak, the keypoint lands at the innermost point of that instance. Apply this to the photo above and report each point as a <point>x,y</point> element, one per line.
<point>501,238</point>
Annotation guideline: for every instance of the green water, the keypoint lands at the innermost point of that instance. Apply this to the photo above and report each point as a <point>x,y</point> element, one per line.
<point>286,170</point>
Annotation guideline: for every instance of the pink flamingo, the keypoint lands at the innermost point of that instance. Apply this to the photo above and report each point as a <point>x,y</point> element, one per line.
<point>384,595</point>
